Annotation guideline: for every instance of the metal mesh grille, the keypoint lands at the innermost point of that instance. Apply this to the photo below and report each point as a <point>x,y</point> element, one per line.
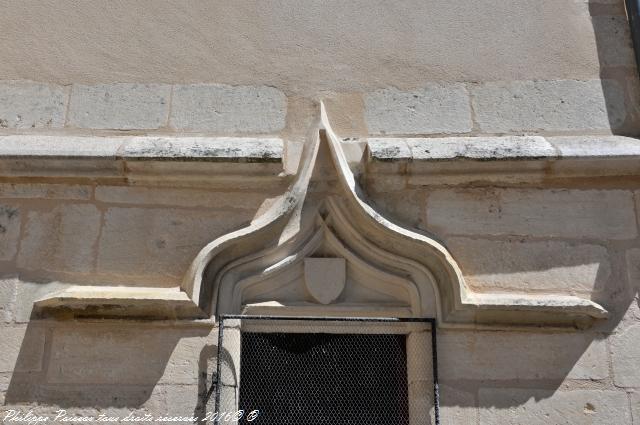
<point>324,379</point>
<point>327,371</point>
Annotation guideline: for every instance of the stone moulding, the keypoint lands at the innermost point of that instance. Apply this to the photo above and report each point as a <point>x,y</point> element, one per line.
<point>508,159</point>
<point>389,270</point>
<point>183,161</point>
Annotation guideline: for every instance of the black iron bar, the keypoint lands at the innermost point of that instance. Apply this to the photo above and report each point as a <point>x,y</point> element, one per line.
<point>329,318</point>
<point>436,386</point>
<point>633,15</point>
<point>216,420</point>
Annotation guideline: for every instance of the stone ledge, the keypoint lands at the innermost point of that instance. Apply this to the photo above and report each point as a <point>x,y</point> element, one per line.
<point>188,160</point>
<point>509,159</point>
<point>119,302</point>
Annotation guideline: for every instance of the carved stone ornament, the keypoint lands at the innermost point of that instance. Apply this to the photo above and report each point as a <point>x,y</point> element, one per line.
<point>321,249</point>
<point>389,270</point>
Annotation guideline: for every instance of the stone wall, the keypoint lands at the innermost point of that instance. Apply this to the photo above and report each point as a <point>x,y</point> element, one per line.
<point>580,239</point>
<point>421,68</point>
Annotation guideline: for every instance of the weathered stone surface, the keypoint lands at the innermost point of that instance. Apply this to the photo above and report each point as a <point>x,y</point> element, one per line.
<point>10,219</point>
<point>7,299</point>
<point>61,239</point>
<point>21,348</point>
<point>404,207</point>
<point>482,148</point>
<point>127,356</point>
<point>5,378</point>
<point>560,105</point>
<point>625,355</point>
<point>223,149</point>
<point>214,149</point>
<point>514,406</point>
<point>46,191</point>
<point>189,358</point>
<point>26,104</point>
<point>28,292</point>
<point>635,407</point>
<point>121,106</point>
<point>457,406</point>
<point>490,355</point>
<point>181,401</point>
<point>228,109</point>
<point>604,214</point>
<point>29,147</point>
<point>633,267</point>
<point>503,147</point>
<point>230,361</point>
<point>525,266</point>
<point>614,41</point>
<point>181,197</point>
<point>587,147</point>
<point>389,149</point>
<point>432,109</point>
<point>159,243</point>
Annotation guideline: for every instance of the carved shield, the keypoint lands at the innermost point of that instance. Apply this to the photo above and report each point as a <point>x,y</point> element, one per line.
<point>325,278</point>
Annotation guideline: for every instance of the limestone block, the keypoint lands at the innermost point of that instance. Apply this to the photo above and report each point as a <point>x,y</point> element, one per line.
<point>518,355</point>
<point>436,108</point>
<point>28,292</point>
<point>520,265</point>
<point>179,197</point>
<point>614,41</point>
<point>21,348</point>
<point>30,147</point>
<point>603,214</point>
<point>480,148</point>
<point>558,105</point>
<point>180,401</point>
<point>635,407</point>
<point>121,106</point>
<point>514,406</point>
<point>186,362</point>
<point>404,207</point>
<point>230,361</point>
<point>45,191</point>
<point>633,268</point>
<point>227,109</point>
<point>26,104</point>
<point>112,400</point>
<point>5,378</point>
<point>420,400</point>
<point>457,406</point>
<point>587,147</point>
<point>203,149</point>
<point>61,239</point>
<point>132,355</point>
<point>389,149</point>
<point>159,243</point>
<point>10,219</point>
<point>625,355</point>
<point>7,299</point>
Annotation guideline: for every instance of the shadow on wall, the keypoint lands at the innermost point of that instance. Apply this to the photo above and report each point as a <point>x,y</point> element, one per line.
<point>618,70</point>
<point>111,367</point>
<point>508,372</point>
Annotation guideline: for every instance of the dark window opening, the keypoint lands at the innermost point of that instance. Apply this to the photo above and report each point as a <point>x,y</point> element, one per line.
<point>324,379</point>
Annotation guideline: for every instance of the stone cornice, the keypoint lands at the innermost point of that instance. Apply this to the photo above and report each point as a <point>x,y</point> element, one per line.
<point>175,160</point>
<point>510,159</point>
